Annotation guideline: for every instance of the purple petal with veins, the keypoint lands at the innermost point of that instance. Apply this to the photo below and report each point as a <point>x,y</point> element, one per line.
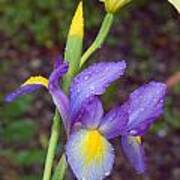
<point>115,122</point>
<point>145,105</point>
<point>134,152</point>
<point>91,113</point>
<point>93,81</point>
<point>60,99</point>
<point>22,91</point>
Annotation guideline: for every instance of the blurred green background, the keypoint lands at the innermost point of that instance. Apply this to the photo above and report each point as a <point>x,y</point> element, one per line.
<point>32,32</point>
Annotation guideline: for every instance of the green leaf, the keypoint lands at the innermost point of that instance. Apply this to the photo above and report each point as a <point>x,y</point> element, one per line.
<point>29,157</point>
<point>31,177</point>
<point>172,115</point>
<point>159,125</point>
<point>74,45</point>
<point>19,131</point>
<point>60,169</point>
<point>16,108</point>
<point>25,157</point>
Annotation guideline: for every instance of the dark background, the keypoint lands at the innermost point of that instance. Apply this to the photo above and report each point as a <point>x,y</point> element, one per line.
<point>32,32</point>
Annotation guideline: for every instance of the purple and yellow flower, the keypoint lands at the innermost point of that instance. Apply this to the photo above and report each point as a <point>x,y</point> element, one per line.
<point>88,149</point>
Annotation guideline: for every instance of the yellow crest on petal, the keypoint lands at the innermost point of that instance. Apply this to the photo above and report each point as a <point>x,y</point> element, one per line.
<point>93,147</point>
<point>39,80</point>
<point>77,25</point>
<point>138,139</point>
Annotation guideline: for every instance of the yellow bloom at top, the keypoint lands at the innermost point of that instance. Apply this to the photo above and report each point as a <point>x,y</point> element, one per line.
<point>77,25</point>
<point>112,6</point>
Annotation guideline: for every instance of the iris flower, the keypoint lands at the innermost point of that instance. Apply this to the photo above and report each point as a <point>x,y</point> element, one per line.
<point>89,129</point>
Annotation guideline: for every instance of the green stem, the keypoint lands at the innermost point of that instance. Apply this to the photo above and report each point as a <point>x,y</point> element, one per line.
<point>60,169</point>
<point>62,165</point>
<point>102,34</point>
<point>52,147</point>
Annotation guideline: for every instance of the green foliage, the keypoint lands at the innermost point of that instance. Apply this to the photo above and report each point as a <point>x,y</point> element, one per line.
<point>24,157</point>
<point>16,108</point>
<point>46,22</point>
<point>29,157</point>
<point>31,177</point>
<point>172,114</point>
<point>19,131</point>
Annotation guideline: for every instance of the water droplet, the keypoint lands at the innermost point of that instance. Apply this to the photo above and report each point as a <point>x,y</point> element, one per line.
<point>141,109</point>
<point>133,132</point>
<point>107,69</point>
<point>92,88</point>
<point>86,78</point>
<point>107,173</point>
<point>78,90</point>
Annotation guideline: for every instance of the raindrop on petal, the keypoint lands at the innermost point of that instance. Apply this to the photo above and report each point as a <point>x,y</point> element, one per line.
<point>86,77</point>
<point>107,173</point>
<point>133,132</point>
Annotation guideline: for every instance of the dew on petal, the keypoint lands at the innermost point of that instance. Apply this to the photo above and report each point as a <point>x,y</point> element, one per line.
<point>86,77</point>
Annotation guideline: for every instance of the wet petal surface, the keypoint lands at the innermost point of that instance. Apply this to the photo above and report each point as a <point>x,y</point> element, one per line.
<point>115,122</point>
<point>133,150</point>
<point>90,155</point>
<point>145,105</point>
<point>93,81</point>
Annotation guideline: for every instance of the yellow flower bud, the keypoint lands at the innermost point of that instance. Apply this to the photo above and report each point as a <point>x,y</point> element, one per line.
<point>112,6</point>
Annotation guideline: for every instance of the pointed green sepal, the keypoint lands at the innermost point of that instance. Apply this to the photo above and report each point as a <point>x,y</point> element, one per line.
<point>74,45</point>
<point>60,169</point>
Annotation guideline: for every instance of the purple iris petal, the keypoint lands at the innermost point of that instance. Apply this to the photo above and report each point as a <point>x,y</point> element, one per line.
<point>58,61</point>
<point>134,152</point>
<point>93,81</point>
<point>59,98</point>
<point>145,105</point>
<point>90,155</point>
<point>22,91</point>
<point>91,113</point>
<point>115,122</point>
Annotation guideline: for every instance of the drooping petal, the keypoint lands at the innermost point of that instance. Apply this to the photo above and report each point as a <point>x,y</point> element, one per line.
<point>90,155</point>
<point>60,99</point>
<point>30,85</point>
<point>115,122</point>
<point>93,81</point>
<point>134,151</point>
<point>145,105</point>
<point>91,113</point>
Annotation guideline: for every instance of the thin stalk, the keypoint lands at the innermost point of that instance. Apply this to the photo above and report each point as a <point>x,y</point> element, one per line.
<point>60,169</point>
<point>52,147</point>
<point>101,36</point>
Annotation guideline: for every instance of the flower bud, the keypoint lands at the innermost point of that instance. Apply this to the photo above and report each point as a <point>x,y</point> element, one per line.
<point>112,6</point>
